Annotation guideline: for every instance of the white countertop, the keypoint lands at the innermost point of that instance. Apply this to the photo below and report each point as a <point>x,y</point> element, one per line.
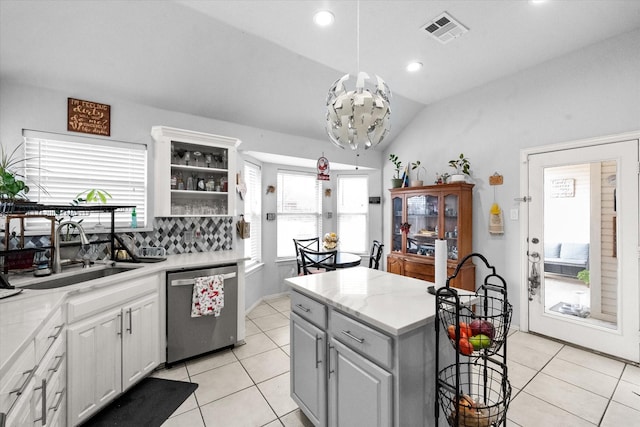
<point>393,303</point>
<point>22,315</point>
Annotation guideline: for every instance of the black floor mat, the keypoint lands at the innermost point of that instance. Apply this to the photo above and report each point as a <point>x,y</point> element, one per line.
<point>149,403</point>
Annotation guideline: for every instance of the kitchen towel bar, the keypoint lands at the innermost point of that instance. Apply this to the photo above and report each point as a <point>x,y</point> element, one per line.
<point>190,282</point>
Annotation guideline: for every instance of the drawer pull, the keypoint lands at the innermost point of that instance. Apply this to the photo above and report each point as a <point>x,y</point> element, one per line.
<point>60,359</point>
<point>303,308</point>
<point>353,337</point>
<point>56,405</point>
<point>58,332</point>
<point>29,374</point>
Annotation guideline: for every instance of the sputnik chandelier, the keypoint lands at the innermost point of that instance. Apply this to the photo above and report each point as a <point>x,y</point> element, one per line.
<point>359,116</point>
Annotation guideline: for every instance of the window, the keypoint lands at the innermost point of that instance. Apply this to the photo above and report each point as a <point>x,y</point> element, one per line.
<point>253,212</point>
<point>299,209</point>
<point>353,212</point>
<point>67,166</point>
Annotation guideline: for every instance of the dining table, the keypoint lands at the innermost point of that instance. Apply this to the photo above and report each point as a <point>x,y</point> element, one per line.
<point>347,259</point>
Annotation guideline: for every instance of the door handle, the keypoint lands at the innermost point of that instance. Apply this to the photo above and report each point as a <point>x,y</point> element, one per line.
<point>43,400</point>
<point>130,328</point>
<point>120,322</point>
<point>318,361</point>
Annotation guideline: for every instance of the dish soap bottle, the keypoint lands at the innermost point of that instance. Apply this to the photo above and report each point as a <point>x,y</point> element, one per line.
<point>134,219</point>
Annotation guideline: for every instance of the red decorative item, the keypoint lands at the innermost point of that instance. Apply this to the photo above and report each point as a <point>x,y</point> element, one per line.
<point>404,227</point>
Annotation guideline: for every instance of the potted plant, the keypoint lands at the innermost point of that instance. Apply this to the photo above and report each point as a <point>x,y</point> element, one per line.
<point>584,276</point>
<point>94,195</point>
<point>462,166</point>
<point>12,187</point>
<point>396,181</point>
<point>417,182</point>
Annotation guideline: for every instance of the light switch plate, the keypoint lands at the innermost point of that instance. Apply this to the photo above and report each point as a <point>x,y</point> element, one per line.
<point>514,214</point>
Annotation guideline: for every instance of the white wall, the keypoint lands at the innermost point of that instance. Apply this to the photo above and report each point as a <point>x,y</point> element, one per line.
<point>591,92</point>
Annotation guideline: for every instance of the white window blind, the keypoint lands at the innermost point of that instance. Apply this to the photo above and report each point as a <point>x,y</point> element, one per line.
<point>66,168</point>
<point>299,209</point>
<point>253,211</point>
<point>353,212</point>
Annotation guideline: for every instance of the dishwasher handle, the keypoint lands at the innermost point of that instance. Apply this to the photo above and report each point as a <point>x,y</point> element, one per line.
<point>190,282</point>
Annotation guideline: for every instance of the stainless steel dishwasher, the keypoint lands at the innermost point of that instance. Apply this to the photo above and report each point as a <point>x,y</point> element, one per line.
<point>191,336</point>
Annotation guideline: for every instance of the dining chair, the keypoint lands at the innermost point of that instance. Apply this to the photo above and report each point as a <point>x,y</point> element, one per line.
<point>376,255</point>
<point>317,262</point>
<point>312,244</point>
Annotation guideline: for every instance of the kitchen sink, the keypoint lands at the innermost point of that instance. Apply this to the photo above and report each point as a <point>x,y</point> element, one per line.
<point>82,276</point>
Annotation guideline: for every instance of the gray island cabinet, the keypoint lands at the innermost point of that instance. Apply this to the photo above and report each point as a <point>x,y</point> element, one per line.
<point>363,348</point>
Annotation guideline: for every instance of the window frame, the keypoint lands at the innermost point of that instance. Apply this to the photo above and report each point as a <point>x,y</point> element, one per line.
<point>254,190</point>
<point>341,213</point>
<point>289,252</point>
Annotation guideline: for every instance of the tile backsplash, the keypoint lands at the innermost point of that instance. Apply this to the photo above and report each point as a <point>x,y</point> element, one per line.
<point>176,234</point>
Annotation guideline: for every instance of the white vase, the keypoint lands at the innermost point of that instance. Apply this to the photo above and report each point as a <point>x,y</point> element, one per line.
<point>416,183</point>
<point>457,178</point>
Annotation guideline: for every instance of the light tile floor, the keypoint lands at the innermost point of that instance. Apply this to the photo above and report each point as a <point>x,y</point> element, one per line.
<point>554,384</point>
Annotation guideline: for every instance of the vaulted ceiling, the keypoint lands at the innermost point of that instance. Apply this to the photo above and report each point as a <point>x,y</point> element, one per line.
<point>265,64</point>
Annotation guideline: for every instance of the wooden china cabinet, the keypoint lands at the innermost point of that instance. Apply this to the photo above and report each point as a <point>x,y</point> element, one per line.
<point>442,211</point>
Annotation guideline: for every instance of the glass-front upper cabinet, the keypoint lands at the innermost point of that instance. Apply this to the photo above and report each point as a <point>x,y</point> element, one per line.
<point>194,173</point>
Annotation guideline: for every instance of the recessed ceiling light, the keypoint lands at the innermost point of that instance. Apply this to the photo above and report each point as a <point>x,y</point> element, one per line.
<point>414,66</point>
<point>537,1</point>
<point>323,18</point>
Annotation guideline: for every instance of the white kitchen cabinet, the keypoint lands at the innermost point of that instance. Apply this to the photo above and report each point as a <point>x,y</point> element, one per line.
<point>308,369</point>
<point>95,370</point>
<point>183,160</point>
<point>360,392</point>
<point>139,340</point>
<point>28,393</point>
<point>113,343</point>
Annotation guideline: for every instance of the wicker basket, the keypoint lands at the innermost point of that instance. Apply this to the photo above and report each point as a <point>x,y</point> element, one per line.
<point>481,401</point>
<point>479,308</point>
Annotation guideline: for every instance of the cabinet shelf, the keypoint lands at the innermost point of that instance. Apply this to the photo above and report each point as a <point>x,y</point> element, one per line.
<point>198,169</point>
<point>195,193</point>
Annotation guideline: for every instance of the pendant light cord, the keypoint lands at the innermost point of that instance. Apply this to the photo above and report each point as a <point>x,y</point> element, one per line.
<point>357,37</point>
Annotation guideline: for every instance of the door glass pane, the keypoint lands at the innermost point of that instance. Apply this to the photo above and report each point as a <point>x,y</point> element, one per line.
<point>397,220</point>
<point>580,260</point>
<point>422,214</point>
<point>451,225</point>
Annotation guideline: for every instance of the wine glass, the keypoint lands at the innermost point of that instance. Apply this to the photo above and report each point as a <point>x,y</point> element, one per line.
<point>187,158</point>
<point>196,156</point>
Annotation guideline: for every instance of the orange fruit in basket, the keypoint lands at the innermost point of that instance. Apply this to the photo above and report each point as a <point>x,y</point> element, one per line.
<point>466,329</point>
<point>465,347</point>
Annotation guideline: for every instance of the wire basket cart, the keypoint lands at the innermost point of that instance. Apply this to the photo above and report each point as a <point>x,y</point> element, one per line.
<point>474,391</point>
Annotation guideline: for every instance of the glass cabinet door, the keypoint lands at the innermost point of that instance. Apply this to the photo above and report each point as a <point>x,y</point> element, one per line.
<point>396,233</point>
<point>422,214</point>
<point>451,205</point>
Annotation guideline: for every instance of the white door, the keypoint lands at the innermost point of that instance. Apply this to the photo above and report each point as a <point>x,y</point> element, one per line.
<point>583,218</point>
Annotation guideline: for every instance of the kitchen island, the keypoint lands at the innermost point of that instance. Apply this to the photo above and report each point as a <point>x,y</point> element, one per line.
<point>363,348</point>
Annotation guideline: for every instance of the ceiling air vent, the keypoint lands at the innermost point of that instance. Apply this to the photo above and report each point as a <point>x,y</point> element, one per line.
<point>444,28</point>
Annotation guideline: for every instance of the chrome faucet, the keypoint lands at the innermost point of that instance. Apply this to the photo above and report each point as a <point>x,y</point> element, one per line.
<point>57,268</point>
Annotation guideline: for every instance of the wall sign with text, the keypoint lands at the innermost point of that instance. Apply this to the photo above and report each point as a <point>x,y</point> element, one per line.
<point>563,187</point>
<point>88,117</point>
